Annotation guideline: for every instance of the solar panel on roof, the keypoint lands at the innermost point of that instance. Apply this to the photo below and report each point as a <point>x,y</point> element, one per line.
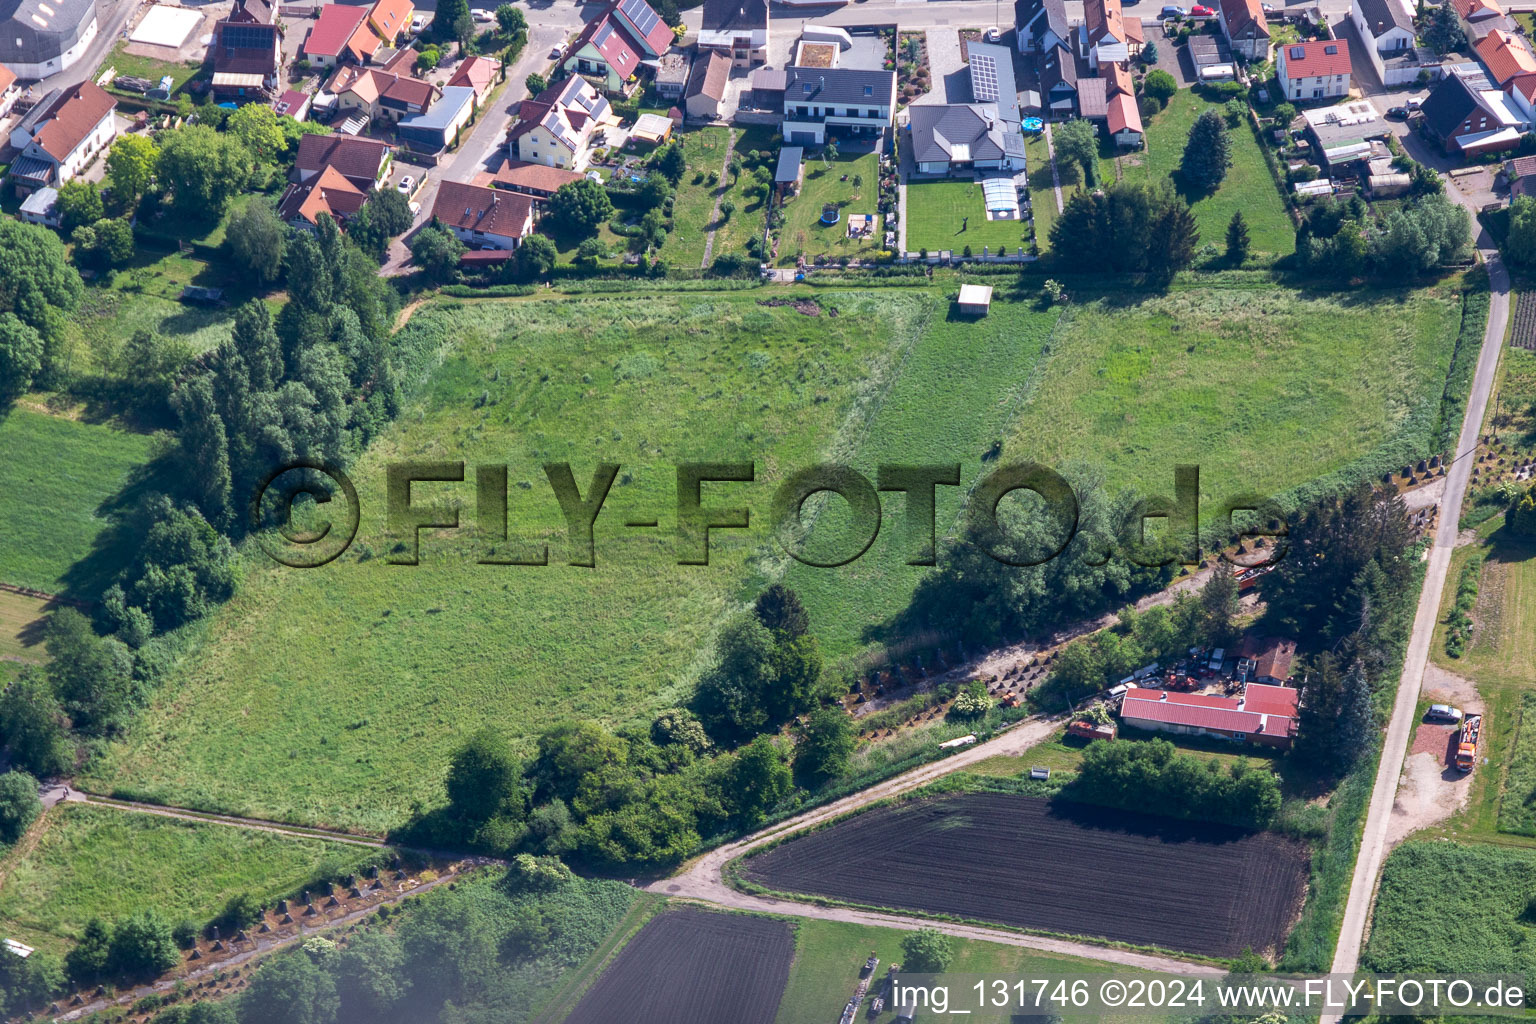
<point>1331,50</point>
<point>1297,53</point>
<point>640,15</point>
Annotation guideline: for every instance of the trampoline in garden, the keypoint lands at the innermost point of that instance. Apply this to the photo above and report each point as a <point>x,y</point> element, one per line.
<point>830,214</point>
<point>1033,125</point>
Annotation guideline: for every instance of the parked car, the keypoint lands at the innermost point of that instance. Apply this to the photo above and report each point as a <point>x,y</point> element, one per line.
<point>1201,11</point>
<point>481,15</point>
<point>554,53</point>
<point>1412,104</point>
<point>406,185</point>
<point>1397,113</point>
<point>1172,11</point>
<point>1442,713</point>
<point>419,22</point>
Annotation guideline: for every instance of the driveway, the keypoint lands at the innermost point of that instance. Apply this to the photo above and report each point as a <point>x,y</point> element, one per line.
<point>548,26</point>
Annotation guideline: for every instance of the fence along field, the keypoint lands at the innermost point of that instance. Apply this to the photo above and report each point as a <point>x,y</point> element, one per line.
<point>694,967</point>
<point>1057,867</point>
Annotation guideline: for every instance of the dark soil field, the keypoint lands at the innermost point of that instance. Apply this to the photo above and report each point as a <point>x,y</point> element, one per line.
<point>694,967</point>
<point>1057,867</point>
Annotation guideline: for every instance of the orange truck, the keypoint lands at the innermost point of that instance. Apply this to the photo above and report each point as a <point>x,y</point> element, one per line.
<point>1466,749</point>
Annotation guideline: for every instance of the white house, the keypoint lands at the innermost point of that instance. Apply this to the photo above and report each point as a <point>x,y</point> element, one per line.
<point>1246,28</point>
<point>555,129</point>
<point>9,90</point>
<point>1315,70</point>
<point>1386,29</point>
<point>852,101</point>
<point>39,38</point>
<point>61,135</point>
<point>484,218</point>
<point>1042,25</point>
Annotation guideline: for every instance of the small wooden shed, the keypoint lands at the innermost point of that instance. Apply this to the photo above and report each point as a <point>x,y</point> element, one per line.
<point>975,299</point>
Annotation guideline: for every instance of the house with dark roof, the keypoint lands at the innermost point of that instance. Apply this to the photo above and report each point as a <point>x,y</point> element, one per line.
<point>1042,25</point>
<point>1317,69</point>
<point>483,218</point>
<point>706,85</point>
<point>61,135</point>
<point>341,35</point>
<point>736,28</point>
<point>39,38</point>
<point>1386,28</point>
<point>363,162</point>
<point>847,101</point>
<point>1480,17</point>
<point>382,95</point>
<point>1264,715</point>
<point>328,192</point>
<point>1244,25</point>
<point>556,129</point>
<point>954,138</point>
<point>1470,121</point>
<point>246,53</point>
<point>605,54</point>
<point>1106,36</point>
<point>1058,74</point>
<point>651,36</point>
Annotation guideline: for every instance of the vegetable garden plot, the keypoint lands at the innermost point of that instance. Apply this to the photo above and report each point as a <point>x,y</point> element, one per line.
<point>1058,867</point>
<point>694,967</point>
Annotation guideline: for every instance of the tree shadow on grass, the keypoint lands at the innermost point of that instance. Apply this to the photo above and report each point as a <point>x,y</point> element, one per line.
<point>116,546</point>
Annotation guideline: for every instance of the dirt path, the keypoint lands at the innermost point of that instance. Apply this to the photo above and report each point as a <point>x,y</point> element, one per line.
<point>1050,150</point>
<point>1430,790</point>
<point>253,824</point>
<point>703,879</point>
<point>1374,841</point>
<point>714,215</point>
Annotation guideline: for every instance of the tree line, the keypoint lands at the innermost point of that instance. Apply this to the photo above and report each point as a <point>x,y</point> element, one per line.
<point>1154,777</point>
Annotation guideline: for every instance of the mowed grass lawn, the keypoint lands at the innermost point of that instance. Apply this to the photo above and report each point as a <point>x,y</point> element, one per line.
<point>830,954</point>
<point>1042,187</point>
<point>1248,187</point>
<point>101,862</point>
<point>936,219</point>
<point>56,477</point>
<point>954,400</point>
<point>1263,388</point>
<point>336,696</point>
<point>693,209</point>
<point>21,638</point>
<point>832,182</point>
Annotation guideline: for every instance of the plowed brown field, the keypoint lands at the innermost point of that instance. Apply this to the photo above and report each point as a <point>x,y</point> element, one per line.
<point>694,967</point>
<point>1055,866</point>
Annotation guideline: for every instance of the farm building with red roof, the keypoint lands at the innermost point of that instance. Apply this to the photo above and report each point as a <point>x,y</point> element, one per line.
<point>1263,714</point>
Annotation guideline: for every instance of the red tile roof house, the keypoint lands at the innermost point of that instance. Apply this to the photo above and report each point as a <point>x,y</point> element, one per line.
<point>329,193</point>
<point>1315,70</point>
<point>1263,714</point>
<point>386,95</point>
<point>483,218</point>
<point>536,180</point>
<point>391,19</point>
<point>341,35</point>
<point>9,90</point>
<point>479,74</point>
<point>605,53</point>
<point>61,135</point>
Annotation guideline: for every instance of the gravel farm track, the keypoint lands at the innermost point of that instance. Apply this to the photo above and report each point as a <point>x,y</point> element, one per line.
<point>1028,863</point>
<point>694,967</point>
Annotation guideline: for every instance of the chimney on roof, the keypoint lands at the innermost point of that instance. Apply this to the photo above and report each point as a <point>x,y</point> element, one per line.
<point>1163,695</point>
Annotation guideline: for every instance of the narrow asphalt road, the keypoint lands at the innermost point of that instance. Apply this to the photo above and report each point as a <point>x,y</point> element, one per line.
<point>703,879</point>
<point>1373,844</point>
